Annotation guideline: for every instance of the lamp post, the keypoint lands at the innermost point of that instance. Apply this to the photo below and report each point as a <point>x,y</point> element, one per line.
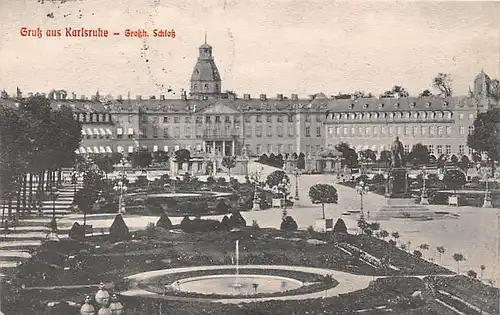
<point>74,180</point>
<point>423,197</point>
<point>283,188</point>
<point>298,173</point>
<point>256,199</point>
<point>121,188</point>
<point>54,193</point>
<point>487,196</point>
<point>362,189</point>
<point>107,307</point>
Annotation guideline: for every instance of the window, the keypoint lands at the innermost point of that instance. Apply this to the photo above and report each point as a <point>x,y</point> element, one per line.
<point>382,131</point>
<point>269,148</point>
<point>448,130</point>
<point>471,151</point>
<point>290,118</point>
<point>187,132</point>
<point>471,116</point>
<point>227,119</point>
<point>165,132</point>
<point>280,148</point>
<point>375,131</point>
<point>415,130</point>
<point>461,149</point>
<point>155,132</point>
<point>208,120</point>
<point>290,148</point>
<point>431,149</point>
<point>269,130</point>
<point>199,133</point>
<point>258,131</point>
<point>217,119</point>
<point>187,119</point>
<point>330,130</point>
<point>432,131</point>
<point>247,119</point>
<point>258,118</point>
<point>177,132</point>
<point>280,118</point>
<point>367,131</point>
<point>318,132</point>
<point>345,131</point>
<point>259,149</point>
<point>291,132</point>
<point>308,131</point>
<point>461,116</point>
<point>318,118</point>
<point>390,131</point>
<point>248,131</point>
<point>407,148</point>
<point>461,130</point>
<point>407,131</point>
<point>119,133</point>
<point>279,130</point>
<point>129,118</point>
<point>199,120</point>
<point>471,130</point>
<point>144,133</point>
<point>337,130</point>
<point>130,149</point>
<point>308,118</point>
<point>439,149</point>
<point>353,131</point>
<point>423,130</point>
<point>448,149</point>
<point>269,119</point>
<point>398,130</point>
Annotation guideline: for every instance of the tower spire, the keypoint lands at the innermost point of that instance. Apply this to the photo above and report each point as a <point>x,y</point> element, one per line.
<point>205,36</point>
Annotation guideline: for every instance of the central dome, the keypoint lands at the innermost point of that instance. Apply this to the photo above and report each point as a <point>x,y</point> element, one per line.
<point>205,79</point>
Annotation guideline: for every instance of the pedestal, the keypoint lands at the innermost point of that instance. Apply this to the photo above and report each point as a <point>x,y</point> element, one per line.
<point>487,203</point>
<point>424,200</point>
<point>403,208</point>
<point>256,205</point>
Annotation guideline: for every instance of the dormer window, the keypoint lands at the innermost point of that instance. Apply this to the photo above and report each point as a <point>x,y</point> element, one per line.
<point>445,104</point>
<point>428,104</point>
<point>365,106</point>
<point>351,106</point>
<point>412,105</point>
<point>396,105</point>
<point>381,105</point>
<point>391,115</point>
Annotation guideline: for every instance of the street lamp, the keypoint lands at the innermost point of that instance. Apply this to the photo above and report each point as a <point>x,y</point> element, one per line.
<point>74,180</point>
<point>102,299</point>
<point>423,197</point>
<point>256,199</point>
<point>54,193</point>
<point>487,196</point>
<point>298,173</point>
<point>362,189</point>
<point>121,188</point>
<point>283,188</point>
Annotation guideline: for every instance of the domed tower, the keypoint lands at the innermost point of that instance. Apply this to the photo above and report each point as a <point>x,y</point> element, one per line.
<point>482,84</point>
<point>205,80</point>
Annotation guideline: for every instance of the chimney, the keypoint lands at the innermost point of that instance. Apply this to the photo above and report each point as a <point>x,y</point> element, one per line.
<point>74,95</point>
<point>138,97</point>
<point>30,94</point>
<point>246,97</point>
<point>119,98</point>
<point>82,97</point>
<point>183,96</point>
<point>162,97</point>
<point>263,97</point>
<point>58,95</point>
<point>279,97</point>
<point>63,96</point>
<point>295,97</point>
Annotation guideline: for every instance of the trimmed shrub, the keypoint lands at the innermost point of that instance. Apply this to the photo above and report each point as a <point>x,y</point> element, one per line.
<point>289,224</point>
<point>199,225</point>
<point>185,223</point>
<point>236,220</point>
<point>164,222</point>
<point>222,207</point>
<point>77,232</point>
<point>225,223</point>
<point>119,230</point>
<point>53,224</point>
<point>340,227</point>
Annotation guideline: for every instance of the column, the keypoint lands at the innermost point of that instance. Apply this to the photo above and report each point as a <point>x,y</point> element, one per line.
<point>232,148</point>
<point>213,147</point>
<point>223,148</point>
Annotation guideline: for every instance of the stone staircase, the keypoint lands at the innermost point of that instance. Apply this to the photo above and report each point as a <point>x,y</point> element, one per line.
<point>28,233</point>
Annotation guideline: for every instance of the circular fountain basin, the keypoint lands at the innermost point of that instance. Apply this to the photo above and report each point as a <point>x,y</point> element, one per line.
<point>237,285</point>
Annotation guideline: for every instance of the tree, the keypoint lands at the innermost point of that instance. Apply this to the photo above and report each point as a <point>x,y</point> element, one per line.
<point>229,162</point>
<point>349,155</point>
<point>417,253</point>
<point>458,258</point>
<point>454,159</point>
<point>301,161</point>
<point>486,136</point>
<point>396,90</point>
<point>288,224</point>
<point>164,221</point>
<point>395,235</point>
<point>105,163</point>
<point>119,230</point>
<point>424,247</point>
<point>160,156</point>
<point>323,193</point>
<point>384,234</point>
<point>454,179</point>
<point>182,156</point>
<point>440,250</point>
<point>367,156</point>
<point>116,157</point>
<point>141,158</point>
<point>277,177</point>
<point>442,83</point>
<point>425,93</point>
<point>464,164</point>
<point>419,155</point>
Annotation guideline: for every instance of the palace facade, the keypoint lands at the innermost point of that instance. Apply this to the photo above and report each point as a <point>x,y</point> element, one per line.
<point>209,121</point>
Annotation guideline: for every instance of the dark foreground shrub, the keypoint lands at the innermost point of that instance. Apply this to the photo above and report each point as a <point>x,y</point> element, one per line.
<point>164,222</point>
<point>119,230</point>
<point>77,232</point>
<point>289,224</point>
<point>199,225</point>
<point>340,227</point>
<point>237,220</point>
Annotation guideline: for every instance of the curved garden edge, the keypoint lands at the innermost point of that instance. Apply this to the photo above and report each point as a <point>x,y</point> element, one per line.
<point>346,283</point>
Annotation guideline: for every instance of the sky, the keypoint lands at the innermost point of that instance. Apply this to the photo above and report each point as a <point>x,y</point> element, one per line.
<point>260,46</point>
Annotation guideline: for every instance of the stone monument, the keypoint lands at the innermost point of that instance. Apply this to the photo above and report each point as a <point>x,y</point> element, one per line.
<point>400,203</point>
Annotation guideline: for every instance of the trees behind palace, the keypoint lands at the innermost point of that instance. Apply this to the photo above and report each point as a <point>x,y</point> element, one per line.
<point>349,155</point>
<point>229,162</point>
<point>419,155</point>
<point>34,139</point>
<point>486,136</point>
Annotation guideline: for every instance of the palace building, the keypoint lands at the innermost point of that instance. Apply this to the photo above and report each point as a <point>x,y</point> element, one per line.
<point>206,120</point>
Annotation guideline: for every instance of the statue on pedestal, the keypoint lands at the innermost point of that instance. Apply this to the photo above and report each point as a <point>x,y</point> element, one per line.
<point>398,154</point>
<point>397,182</point>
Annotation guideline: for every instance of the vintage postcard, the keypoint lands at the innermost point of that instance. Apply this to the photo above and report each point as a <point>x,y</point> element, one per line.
<point>230,157</point>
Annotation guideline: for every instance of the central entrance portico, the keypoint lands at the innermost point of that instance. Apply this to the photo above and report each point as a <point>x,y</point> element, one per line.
<point>223,147</point>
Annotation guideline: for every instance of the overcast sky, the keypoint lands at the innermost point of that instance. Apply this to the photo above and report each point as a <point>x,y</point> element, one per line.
<point>260,46</point>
